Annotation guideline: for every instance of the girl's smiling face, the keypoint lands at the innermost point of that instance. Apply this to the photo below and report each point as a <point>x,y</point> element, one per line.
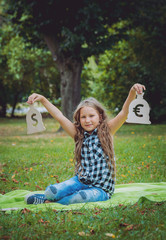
<point>89,118</point>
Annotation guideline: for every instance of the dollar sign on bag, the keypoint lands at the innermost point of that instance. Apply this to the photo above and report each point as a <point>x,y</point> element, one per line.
<point>34,119</point>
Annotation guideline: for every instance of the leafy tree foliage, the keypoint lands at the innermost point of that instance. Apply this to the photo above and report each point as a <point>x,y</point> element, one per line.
<point>118,69</point>
<point>151,55</point>
<point>139,59</point>
<point>149,45</point>
<point>24,68</point>
<point>73,31</point>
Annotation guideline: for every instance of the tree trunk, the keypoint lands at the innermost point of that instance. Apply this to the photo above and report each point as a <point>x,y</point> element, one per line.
<point>15,101</point>
<point>70,72</point>
<point>3,99</point>
<point>3,109</point>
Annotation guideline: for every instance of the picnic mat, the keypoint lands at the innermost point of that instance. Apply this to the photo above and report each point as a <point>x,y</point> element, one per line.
<point>124,194</point>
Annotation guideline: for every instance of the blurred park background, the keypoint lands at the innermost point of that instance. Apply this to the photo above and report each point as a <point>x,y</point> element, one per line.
<point>68,50</point>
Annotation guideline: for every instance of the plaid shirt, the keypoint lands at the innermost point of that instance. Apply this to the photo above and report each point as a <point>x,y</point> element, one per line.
<point>95,170</point>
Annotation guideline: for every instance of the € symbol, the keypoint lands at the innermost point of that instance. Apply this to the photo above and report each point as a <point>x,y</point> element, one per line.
<point>136,110</point>
<point>34,119</point>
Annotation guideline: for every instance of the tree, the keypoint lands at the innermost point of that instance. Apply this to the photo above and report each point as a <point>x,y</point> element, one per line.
<point>149,45</point>
<point>73,31</point>
<point>151,54</point>
<point>139,59</point>
<point>122,66</point>
<point>117,70</point>
<point>23,68</point>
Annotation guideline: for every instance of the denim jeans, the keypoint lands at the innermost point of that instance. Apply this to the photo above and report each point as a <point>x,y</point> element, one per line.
<point>73,191</point>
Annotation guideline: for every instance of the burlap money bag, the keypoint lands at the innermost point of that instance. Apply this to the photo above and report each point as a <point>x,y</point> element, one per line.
<point>34,121</point>
<point>139,111</point>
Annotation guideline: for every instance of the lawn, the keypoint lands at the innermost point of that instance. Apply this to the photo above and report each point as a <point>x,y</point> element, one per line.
<point>33,162</point>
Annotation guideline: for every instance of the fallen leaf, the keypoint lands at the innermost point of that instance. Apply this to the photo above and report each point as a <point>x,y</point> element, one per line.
<point>159,203</point>
<point>114,219</point>
<point>110,235</point>
<point>26,238</point>
<point>78,213</point>
<point>4,179</point>
<point>14,188</point>
<point>54,210</point>
<point>121,205</point>
<point>34,164</point>
<point>92,231</point>
<point>143,212</point>
<point>15,181</point>
<point>5,237</point>
<point>42,221</point>
<point>22,225</point>
<point>37,186</point>
<point>129,228</point>
<point>108,223</point>
<point>3,192</point>
<point>123,175</point>
<point>98,211</point>
<point>123,224</point>
<point>25,210</point>
<point>26,183</point>
<point>56,177</point>
<point>1,167</point>
<point>82,234</point>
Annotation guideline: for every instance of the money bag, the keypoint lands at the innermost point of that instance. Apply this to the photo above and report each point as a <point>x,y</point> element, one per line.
<point>34,121</point>
<point>139,111</point>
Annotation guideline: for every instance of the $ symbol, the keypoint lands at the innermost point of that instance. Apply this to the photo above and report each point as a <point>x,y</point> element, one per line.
<point>136,110</point>
<point>34,119</point>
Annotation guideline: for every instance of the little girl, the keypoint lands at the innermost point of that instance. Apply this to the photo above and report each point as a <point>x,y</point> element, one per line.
<point>92,132</point>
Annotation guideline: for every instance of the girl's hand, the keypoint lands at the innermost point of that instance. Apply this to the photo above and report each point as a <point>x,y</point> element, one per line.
<point>35,97</point>
<point>138,88</point>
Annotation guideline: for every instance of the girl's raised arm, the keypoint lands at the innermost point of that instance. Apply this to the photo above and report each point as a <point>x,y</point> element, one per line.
<point>118,121</point>
<point>66,124</point>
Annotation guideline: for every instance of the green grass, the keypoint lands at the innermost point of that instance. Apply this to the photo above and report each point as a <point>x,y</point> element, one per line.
<point>33,162</point>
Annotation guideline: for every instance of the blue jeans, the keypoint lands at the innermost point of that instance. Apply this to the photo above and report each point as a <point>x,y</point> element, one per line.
<point>73,191</point>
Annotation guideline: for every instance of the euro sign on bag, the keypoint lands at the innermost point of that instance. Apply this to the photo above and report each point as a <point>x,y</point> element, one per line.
<point>34,121</point>
<point>139,111</point>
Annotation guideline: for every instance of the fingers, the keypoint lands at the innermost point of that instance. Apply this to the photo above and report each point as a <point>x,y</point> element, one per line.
<point>139,88</point>
<point>33,98</point>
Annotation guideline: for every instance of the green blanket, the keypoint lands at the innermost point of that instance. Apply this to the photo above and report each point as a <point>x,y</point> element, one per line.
<point>124,194</point>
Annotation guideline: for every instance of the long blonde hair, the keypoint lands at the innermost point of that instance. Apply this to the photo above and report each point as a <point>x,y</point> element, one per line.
<point>103,133</point>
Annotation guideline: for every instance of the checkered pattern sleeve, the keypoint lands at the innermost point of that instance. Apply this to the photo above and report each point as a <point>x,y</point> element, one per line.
<point>94,170</point>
